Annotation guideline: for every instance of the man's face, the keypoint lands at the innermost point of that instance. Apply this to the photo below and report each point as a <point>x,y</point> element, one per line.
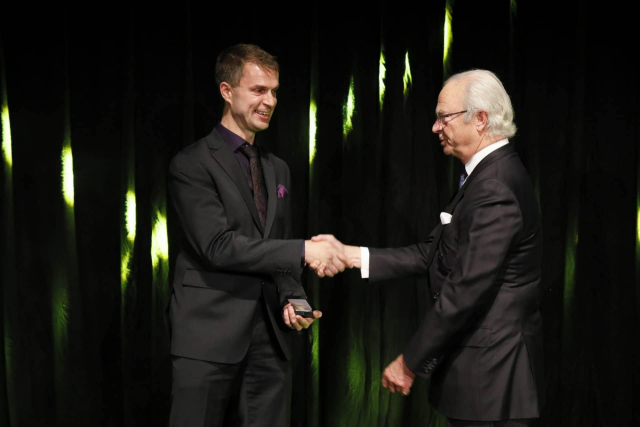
<point>456,137</point>
<point>253,101</point>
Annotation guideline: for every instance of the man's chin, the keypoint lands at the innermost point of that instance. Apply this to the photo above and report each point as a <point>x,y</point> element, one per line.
<point>261,126</point>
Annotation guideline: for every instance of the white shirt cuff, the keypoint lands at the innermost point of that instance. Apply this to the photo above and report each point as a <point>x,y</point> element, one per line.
<point>364,262</point>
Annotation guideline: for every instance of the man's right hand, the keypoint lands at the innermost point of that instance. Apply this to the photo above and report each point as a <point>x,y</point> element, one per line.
<point>324,257</point>
<point>351,254</point>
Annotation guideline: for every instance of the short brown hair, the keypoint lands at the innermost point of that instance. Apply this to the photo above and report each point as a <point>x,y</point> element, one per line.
<point>231,61</point>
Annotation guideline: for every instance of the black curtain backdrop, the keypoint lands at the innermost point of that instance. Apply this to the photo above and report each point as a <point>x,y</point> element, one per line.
<point>124,86</point>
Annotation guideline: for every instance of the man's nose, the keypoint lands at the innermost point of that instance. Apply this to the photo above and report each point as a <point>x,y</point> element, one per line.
<point>436,126</point>
<point>270,100</point>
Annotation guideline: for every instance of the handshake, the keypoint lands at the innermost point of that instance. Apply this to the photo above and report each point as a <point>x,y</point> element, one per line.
<point>327,256</point>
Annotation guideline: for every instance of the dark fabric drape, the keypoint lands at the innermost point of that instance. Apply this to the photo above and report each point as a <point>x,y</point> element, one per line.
<point>84,284</point>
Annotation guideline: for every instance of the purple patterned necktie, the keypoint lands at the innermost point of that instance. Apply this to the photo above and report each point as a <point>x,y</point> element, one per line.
<point>257,180</point>
<point>463,177</point>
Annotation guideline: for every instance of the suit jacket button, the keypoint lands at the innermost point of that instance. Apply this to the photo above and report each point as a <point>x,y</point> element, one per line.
<point>435,296</point>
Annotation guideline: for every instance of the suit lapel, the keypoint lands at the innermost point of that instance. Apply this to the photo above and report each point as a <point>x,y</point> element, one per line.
<point>227,160</point>
<point>494,156</point>
<point>498,154</point>
<point>270,182</point>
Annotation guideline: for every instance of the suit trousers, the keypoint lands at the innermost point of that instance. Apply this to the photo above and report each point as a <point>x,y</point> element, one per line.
<point>525,422</point>
<point>249,393</point>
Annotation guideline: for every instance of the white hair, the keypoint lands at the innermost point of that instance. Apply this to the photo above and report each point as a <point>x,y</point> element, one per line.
<point>484,91</point>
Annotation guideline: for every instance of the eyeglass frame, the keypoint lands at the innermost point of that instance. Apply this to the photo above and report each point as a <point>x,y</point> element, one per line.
<point>440,118</point>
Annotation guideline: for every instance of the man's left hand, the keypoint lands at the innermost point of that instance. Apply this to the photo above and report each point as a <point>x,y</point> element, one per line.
<point>296,322</point>
<point>397,377</point>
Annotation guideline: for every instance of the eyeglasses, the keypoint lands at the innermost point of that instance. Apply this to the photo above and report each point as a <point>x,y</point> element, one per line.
<point>441,118</point>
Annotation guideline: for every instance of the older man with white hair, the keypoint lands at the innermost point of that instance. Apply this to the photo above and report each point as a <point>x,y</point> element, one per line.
<point>480,342</point>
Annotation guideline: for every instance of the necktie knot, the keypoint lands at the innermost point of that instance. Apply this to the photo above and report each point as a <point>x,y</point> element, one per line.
<point>250,151</point>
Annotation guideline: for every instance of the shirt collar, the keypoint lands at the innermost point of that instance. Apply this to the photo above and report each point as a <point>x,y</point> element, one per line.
<point>234,141</point>
<point>476,158</point>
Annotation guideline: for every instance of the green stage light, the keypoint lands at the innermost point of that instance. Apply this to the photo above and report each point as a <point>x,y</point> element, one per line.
<point>638,224</point>
<point>315,352</point>
<point>125,270</point>
<point>67,174</point>
<point>382,73</point>
<point>127,246</point>
<point>6,137</point>
<point>348,109</point>
<point>159,240</point>
<point>356,368</point>
<point>407,79</point>
<point>130,215</point>
<point>448,35</point>
<point>313,129</point>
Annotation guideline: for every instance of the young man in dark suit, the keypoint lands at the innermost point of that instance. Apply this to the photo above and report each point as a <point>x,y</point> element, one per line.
<point>238,264</point>
<point>481,341</point>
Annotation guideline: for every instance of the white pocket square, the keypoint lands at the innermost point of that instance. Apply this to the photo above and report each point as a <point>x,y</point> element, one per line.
<point>445,218</point>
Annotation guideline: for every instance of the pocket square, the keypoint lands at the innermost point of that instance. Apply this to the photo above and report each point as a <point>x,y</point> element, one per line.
<point>282,191</point>
<point>445,218</point>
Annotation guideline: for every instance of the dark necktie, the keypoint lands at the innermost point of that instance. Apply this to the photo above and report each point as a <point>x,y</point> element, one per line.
<point>463,176</point>
<point>257,180</point>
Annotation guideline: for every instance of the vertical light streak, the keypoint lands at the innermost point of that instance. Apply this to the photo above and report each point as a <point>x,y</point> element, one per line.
<point>382,74</point>
<point>6,136</point>
<point>130,215</point>
<point>128,226</point>
<point>313,399</point>
<point>348,109</point>
<point>8,264</point>
<point>64,294</point>
<point>638,221</point>
<point>314,333</point>
<point>407,79</point>
<point>124,269</point>
<point>160,287</point>
<point>67,174</point>
<point>313,129</point>
<point>314,336</point>
<point>356,377</point>
<point>448,39</point>
<point>128,244</point>
<point>159,241</point>
<point>446,71</point>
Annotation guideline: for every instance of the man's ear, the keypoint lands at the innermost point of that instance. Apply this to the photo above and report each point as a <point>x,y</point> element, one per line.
<point>225,91</point>
<point>482,119</point>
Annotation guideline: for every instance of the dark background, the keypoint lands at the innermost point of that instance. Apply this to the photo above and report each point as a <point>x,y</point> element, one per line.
<point>128,85</point>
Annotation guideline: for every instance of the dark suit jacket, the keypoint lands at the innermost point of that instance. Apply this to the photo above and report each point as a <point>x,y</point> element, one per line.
<point>226,263</point>
<point>481,341</point>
